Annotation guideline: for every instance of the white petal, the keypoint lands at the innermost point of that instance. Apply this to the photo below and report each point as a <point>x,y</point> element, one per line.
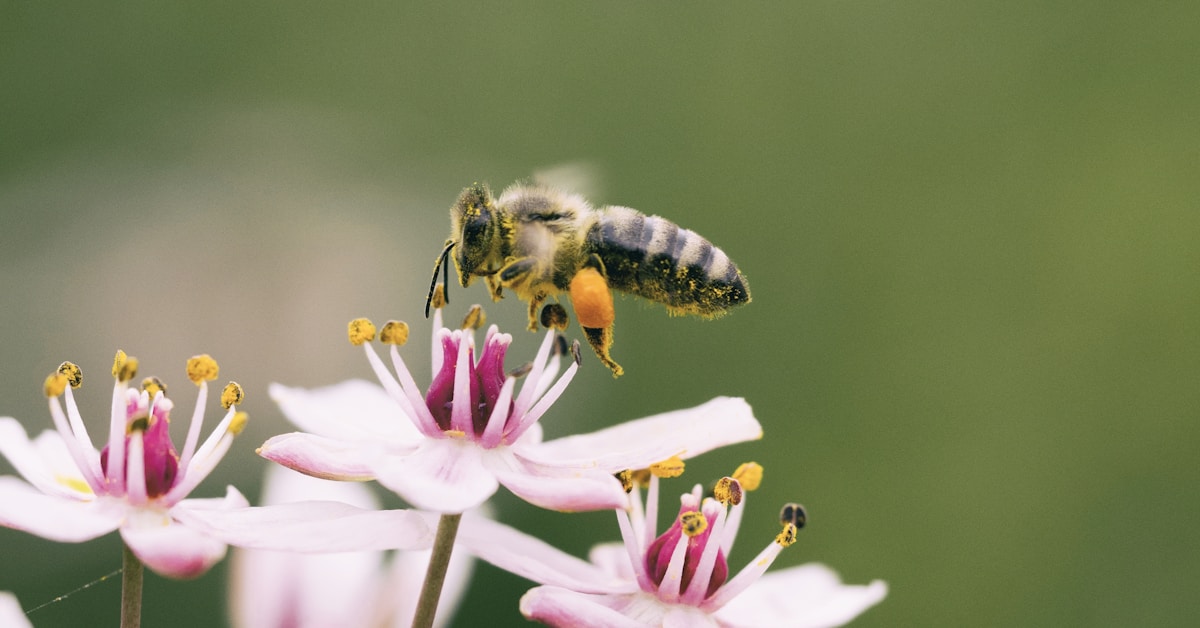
<point>352,410</point>
<point>284,486</point>
<point>559,607</point>
<point>170,548</point>
<point>535,560</point>
<point>806,596</point>
<point>612,559</point>
<point>318,456</point>
<point>308,527</point>
<point>579,490</point>
<point>52,517</point>
<point>442,475</point>
<point>637,444</point>
<point>44,462</point>
<point>11,614</point>
<point>398,600</point>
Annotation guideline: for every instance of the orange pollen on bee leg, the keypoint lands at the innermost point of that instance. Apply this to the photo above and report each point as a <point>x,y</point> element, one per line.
<point>592,299</point>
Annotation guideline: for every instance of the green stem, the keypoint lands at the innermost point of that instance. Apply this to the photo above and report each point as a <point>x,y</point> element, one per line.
<point>435,576</point>
<point>131,590</point>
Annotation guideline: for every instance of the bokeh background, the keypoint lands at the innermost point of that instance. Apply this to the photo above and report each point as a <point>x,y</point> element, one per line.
<point>970,230</point>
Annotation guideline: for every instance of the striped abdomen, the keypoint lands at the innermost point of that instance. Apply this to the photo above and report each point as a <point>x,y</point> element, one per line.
<point>656,259</point>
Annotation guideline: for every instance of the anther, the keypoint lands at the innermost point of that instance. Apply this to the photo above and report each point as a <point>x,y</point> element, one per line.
<point>55,384</point>
<point>475,318</point>
<point>670,468</point>
<point>728,491</point>
<point>120,366</point>
<point>361,330</point>
<point>439,298</point>
<point>554,315</point>
<point>575,353</point>
<point>153,385</point>
<point>794,514</point>
<point>72,372</point>
<point>693,523</point>
<point>749,475</point>
<point>238,423</point>
<point>202,368</point>
<point>787,536</point>
<point>626,479</point>
<point>394,333</point>
<point>521,371</point>
<point>560,345</point>
<point>232,395</point>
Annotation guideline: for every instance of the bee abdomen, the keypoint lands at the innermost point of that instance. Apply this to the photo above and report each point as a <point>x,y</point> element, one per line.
<point>654,258</point>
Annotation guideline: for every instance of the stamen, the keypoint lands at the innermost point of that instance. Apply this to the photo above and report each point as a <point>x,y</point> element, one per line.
<point>525,399</point>
<point>135,470</point>
<point>794,514</point>
<point>670,468</point>
<point>494,431</point>
<point>475,318</point>
<point>521,371</point>
<point>202,368</point>
<point>116,426</point>
<point>460,405</point>
<point>73,373</point>
<point>651,527</point>
<point>626,479</point>
<point>439,298</point>
<point>82,453</point>
<point>693,523</point>
<point>232,395</point>
<point>728,491</point>
<point>124,367</point>
<point>787,536</point>
<point>193,435</point>
<point>55,384</point>
<point>153,386</point>
<point>394,333</point>
<point>405,391</point>
<point>361,330</point>
<point>703,574</point>
<point>749,475</point>
<point>238,423</point>
<point>668,589</point>
<point>636,559</point>
<point>554,316</point>
<point>545,402</point>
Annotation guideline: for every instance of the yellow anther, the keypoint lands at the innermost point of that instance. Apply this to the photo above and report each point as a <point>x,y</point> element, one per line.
<point>641,477</point>
<point>693,523</point>
<point>787,536</point>
<point>238,423</point>
<point>361,330</point>
<point>55,384</point>
<point>72,372</point>
<point>626,479</point>
<point>554,315</point>
<point>119,363</point>
<point>439,298</point>
<point>202,368</point>
<point>749,475</point>
<point>728,491</point>
<point>394,333</point>
<point>475,318</point>
<point>232,395</point>
<point>154,385</point>
<point>456,434</point>
<point>670,468</point>
<point>125,367</point>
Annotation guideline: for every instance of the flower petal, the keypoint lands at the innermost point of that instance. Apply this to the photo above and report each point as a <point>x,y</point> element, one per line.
<point>352,410</point>
<point>533,559</point>
<point>559,607</point>
<point>808,595</point>
<point>11,614</point>
<point>397,603</point>
<point>444,475</point>
<point>577,490</point>
<point>170,548</point>
<point>44,461</point>
<point>308,527</point>
<point>637,444</point>
<point>52,517</point>
<point>318,456</point>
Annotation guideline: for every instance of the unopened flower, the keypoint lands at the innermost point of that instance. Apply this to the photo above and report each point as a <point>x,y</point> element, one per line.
<point>678,578</point>
<point>449,449</point>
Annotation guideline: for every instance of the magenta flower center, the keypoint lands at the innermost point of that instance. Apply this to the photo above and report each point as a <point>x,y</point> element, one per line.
<point>161,461</point>
<point>485,378</point>
<point>658,556</point>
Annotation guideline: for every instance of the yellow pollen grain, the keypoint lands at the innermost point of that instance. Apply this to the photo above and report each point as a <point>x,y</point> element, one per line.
<point>394,333</point>
<point>787,536</point>
<point>361,330</point>
<point>626,479</point>
<point>439,298</point>
<point>693,523</point>
<point>728,491</point>
<point>475,318</point>
<point>153,386</point>
<point>232,395</point>
<point>73,373</point>
<point>458,434</point>
<point>238,423</point>
<point>55,384</point>
<point>202,368</point>
<point>670,468</point>
<point>749,475</point>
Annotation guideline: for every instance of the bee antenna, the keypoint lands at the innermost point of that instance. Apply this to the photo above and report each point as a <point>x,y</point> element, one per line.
<point>440,263</point>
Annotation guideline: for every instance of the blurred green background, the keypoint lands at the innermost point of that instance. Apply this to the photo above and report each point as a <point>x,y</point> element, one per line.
<point>970,230</point>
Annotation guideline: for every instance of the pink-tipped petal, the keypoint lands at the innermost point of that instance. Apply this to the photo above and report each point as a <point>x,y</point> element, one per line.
<point>310,527</point>
<point>352,410</point>
<point>44,462</point>
<point>170,548</point>
<point>52,517</point>
<point>11,614</point>
<point>576,491</point>
<point>637,444</point>
<point>535,560</point>
<point>318,456</point>
<point>555,606</point>
<point>806,596</point>
<point>444,475</point>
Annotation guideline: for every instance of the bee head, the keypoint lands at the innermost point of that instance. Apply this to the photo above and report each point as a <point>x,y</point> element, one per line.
<point>475,225</point>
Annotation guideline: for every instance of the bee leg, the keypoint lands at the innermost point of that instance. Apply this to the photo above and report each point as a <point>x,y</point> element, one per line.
<point>594,308</point>
<point>494,287</point>
<point>517,275</point>
<point>535,303</point>
<point>601,339</point>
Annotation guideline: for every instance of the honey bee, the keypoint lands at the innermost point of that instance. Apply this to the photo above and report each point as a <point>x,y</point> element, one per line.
<point>540,242</point>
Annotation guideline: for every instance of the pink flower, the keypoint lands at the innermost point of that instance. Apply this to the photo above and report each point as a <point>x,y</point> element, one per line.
<point>678,578</point>
<point>449,450</point>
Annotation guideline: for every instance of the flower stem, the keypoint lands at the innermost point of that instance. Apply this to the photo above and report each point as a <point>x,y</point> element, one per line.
<point>131,590</point>
<point>435,576</point>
